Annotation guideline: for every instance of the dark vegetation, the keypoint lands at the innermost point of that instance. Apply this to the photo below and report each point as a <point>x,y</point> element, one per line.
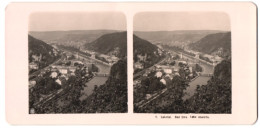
<point>215,97</point>
<point>213,42</point>
<point>144,47</point>
<point>38,47</point>
<point>198,68</point>
<point>108,98</point>
<point>112,96</point>
<point>94,68</point>
<point>101,58</point>
<point>108,42</point>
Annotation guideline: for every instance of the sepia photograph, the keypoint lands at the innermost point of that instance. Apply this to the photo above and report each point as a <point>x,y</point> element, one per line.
<point>182,62</point>
<point>130,63</point>
<point>77,62</point>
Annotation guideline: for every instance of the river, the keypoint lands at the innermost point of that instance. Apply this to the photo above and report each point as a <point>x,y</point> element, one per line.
<point>191,89</point>
<point>96,80</point>
<point>200,80</point>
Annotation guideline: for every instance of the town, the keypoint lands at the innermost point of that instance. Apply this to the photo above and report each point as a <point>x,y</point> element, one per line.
<point>194,68</point>
<point>49,82</point>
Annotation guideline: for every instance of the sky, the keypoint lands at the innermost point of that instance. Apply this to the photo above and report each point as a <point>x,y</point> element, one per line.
<point>170,21</point>
<point>55,21</point>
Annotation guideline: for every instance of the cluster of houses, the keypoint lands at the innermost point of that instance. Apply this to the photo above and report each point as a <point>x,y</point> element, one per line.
<point>62,73</point>
<point>139,64</point>
<point>214,58</point>
<point>35,60</point>
<point>167,72</point>
<point>34,65</point>
<point>111,59</point>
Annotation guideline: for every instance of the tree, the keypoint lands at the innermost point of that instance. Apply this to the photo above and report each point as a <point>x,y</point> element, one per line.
<point>172,63</point>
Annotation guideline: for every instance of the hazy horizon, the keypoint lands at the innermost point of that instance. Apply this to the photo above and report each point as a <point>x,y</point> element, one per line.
<point>80,30</point>
<point>174,21</point>
<point>69,21</point>
<point>179,30</point>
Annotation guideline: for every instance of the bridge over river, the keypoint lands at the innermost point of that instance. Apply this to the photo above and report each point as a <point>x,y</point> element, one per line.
<point>201,79</point>
<point>99,79</point>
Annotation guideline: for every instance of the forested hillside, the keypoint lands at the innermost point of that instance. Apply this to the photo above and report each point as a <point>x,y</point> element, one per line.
<point>213,43</point>
<point>115,43</point>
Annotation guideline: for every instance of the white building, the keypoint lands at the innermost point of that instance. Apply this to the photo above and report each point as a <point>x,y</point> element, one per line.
<point>58,81</point>
<point>138,65</point>
<point>167,70</point>
<point>148,96</point>
<point>190,68</point>
<point>63,70</point>
<point>32,83</point>
<point>54,75</point>
<point>158,74</point>
<point>33,66</point>
<point>184,62</point>
<point>72,69</point>
<point>163,81</point>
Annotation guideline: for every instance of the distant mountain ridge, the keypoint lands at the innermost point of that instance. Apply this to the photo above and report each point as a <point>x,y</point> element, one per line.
<point>110,43</point>
<point>71,37</point>
<point>174,38</point>
<point>213,43</point>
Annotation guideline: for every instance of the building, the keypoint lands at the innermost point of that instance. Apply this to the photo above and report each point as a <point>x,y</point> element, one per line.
<point>54,75</point>
<point>158,74</point>
<point>183,62</point>
<point>163,81</point>
<point>33,66</point>
<point>175,70</point>
<point>63,70</point>
<point>167,70</point>
<point>190,68</point>
<point>37,58</point>
<point>138,65</point>
<point>217,59</point>
<point>72,69</point>
<point>58,81</point>
<point>137,82</point>
<point>176,74</point>
<point>142,58</point>
<point>93,56</point>
<point>197,55</point>
<point>114,58</point>
<point>32,111</point>
<point>32,83</point>
<point>170,76</point>
<point>148,96</point>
